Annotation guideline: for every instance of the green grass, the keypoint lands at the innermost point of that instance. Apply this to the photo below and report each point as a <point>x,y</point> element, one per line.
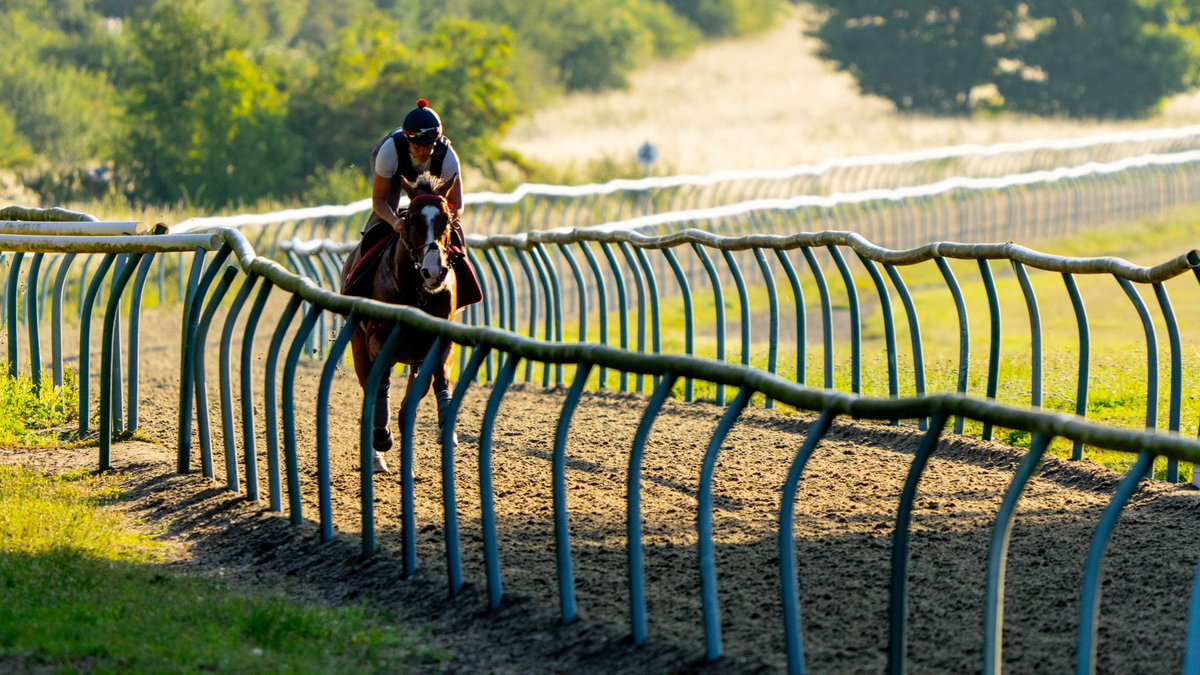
<point>83,593</point>
<point>32,417</point>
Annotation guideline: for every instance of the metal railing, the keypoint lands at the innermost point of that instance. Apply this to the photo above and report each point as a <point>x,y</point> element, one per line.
<point>541,207</point>
<point>213,278</point>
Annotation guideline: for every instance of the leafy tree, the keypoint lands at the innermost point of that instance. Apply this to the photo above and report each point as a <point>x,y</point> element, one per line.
<point>205,122</point>
<point>719,18</point>
<point>923,55</point>
<point>14,150</point>
<point>1106,58</point>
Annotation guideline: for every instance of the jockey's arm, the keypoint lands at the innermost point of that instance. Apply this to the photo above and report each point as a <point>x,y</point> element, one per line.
<point>379,195</point>
<point>456,196</point>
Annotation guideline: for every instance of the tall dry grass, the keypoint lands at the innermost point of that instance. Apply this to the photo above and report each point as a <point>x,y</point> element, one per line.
<point>765,102</point>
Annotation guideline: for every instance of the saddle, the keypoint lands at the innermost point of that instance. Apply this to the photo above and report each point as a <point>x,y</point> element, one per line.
<point>377,242</point>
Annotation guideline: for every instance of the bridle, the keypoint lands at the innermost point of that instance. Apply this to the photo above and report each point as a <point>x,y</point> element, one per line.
<point>415,256</point>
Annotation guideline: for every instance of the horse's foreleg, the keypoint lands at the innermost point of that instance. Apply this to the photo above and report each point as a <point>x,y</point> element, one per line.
<point>381,441</point>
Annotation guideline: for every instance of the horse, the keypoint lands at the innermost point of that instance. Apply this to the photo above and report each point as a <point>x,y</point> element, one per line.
<point>410,269</point>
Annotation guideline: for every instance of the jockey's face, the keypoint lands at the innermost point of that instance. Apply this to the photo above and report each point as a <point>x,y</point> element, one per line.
<point>420,153</point>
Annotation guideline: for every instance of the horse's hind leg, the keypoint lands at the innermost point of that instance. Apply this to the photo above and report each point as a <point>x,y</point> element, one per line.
<point>381,440</point>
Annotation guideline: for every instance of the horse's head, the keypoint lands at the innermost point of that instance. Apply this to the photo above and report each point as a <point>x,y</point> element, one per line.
<point>426,228</point>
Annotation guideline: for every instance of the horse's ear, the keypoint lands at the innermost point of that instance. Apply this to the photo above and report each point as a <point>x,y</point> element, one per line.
<point>447,186</point>
<point>407,187</point>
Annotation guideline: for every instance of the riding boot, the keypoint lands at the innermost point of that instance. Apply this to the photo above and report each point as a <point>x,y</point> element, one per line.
<point>443,402</point>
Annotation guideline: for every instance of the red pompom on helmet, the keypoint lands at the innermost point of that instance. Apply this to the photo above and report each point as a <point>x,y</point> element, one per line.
<point>422,126</point>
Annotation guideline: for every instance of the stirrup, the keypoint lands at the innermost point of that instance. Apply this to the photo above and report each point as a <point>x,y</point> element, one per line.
<point>380,464</point>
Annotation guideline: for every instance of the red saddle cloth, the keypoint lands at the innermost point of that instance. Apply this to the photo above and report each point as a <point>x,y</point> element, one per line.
<point>378,241</point>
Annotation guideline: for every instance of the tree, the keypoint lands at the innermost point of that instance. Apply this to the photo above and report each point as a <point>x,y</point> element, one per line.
<point>204,121</point>
<point>923,55</point>
<point>1105,58</point>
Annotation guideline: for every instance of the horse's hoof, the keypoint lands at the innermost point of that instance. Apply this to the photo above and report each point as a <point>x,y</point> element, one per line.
<point>380,464</point>
<point>382,441</point>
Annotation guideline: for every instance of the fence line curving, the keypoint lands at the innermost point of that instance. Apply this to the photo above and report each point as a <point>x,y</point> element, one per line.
<point>224,257</point>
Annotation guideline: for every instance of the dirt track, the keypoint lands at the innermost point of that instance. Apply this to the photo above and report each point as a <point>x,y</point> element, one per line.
<point>845,517</point>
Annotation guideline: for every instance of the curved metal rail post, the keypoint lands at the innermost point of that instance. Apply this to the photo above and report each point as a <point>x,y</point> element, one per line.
<point>1035,335</point>
<point>332,362</point>
<point>511,285</point>
<point>288,409</point>
<point>602,306</point>
<point>56,316</point>
<point>652,293</point>
<point>556,293</point>
<point>789,591</point>
<point>226,376</point>
<point>993,377</point>
<point>719,302</point>
<point>704,507</point>
<point>634,547</point>
<point>993,612</point>
<point>533,307</point>
<point>198,283</point>
<point>270,407</point>
<point>503,296</point>
<point>485,305</point>
<point>247,389</point>
<point>580,286</point>
<point>1151,352</point>
<point>551,306</point>
<point>135,323</point>
<point>801,319</point>
<point>914,332</point>
<point>689,338</point>
<point>1191,653</point>
<point>772,316</point>
<point>638,282</point>
<point>889,326</point>
<point>106,361</point>
<point>200,371</point>
<point>85,343</point>
<point>826,313</point>
<point>487,494</point>
<point>10,293</point>
<point>743,302</point>
<point>622,305</point>
<point>1085,342</point>
<point>1176,401</point>
<point>408,418</point>
<point>32,313</point>
<point>1089,604</point>
<point>381,366</point>
<point>562,527</point>
<point>964,334</point>
<point>116,412</point>
<point>855,319</point>
<point>454,571</point>
<point>898,595</point>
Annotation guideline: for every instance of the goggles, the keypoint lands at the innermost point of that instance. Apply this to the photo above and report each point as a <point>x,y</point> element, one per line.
<point>423,136</point>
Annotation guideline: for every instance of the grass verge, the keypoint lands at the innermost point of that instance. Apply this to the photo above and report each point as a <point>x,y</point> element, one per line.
<point>83,592</point>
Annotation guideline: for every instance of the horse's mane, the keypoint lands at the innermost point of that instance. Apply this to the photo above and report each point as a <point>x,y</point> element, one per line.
<point>427,183</point>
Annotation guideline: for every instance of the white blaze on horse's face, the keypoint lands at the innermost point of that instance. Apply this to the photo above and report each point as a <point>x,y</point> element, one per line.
<point>433,263</point>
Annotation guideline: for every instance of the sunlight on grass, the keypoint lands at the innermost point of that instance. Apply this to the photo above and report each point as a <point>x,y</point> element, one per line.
<point>81,592</point>
<point>30,417</point>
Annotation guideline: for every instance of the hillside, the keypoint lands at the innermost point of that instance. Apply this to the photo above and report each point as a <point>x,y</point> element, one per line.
<point>764,102</point>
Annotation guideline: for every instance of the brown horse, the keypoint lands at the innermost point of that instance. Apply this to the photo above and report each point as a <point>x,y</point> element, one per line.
<point>410,269</point>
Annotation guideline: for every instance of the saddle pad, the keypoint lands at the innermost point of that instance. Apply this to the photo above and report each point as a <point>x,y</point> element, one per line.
<point>468,292</point>
<point>375,242</point>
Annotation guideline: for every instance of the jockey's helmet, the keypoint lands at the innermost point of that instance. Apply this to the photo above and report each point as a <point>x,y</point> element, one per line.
<point>422,126</point>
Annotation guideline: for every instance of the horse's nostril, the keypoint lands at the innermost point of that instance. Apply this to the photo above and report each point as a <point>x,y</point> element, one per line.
<point>425,273</point>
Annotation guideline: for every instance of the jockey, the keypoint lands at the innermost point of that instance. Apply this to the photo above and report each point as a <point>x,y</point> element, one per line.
<point>415,147</point>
